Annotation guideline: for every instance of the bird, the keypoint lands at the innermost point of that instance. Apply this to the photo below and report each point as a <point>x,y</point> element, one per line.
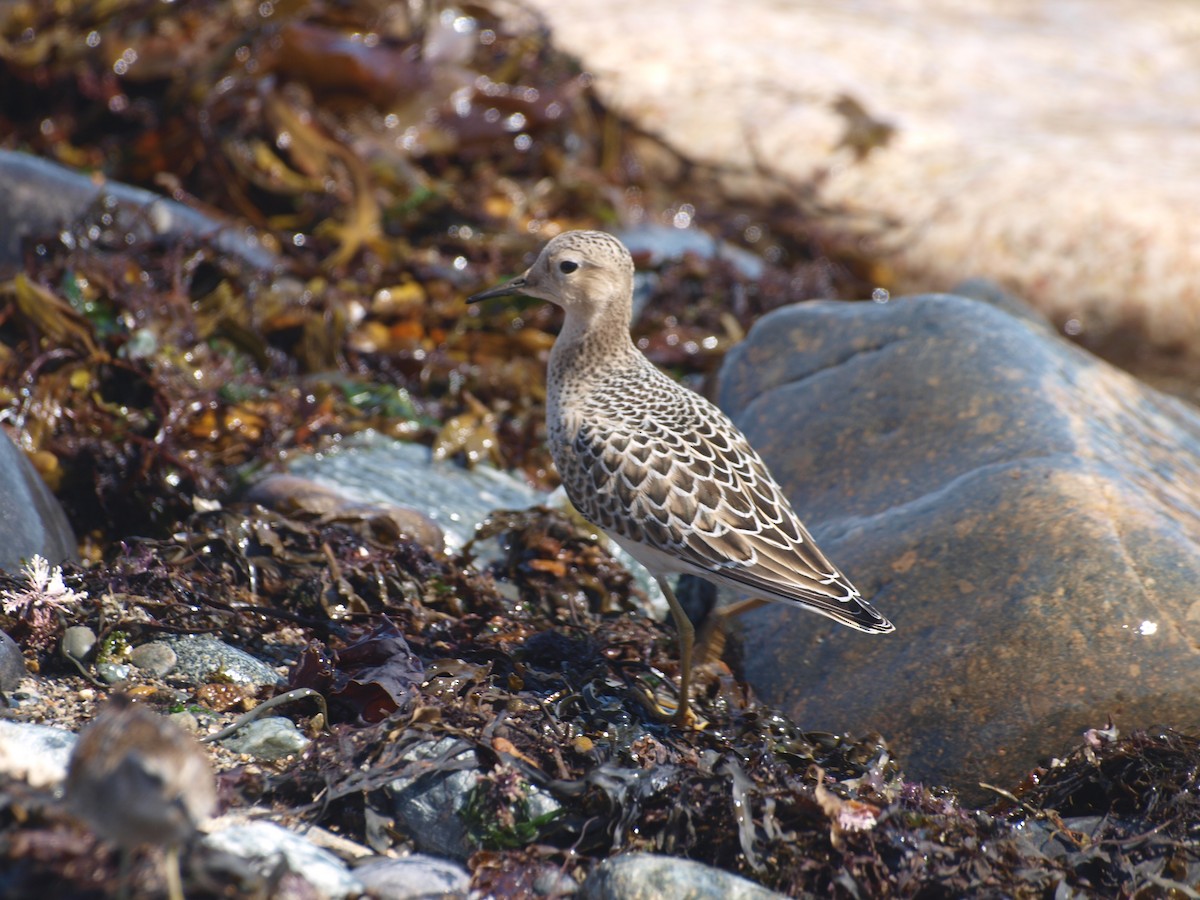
<point>657,467</point>
<point>136,778</point>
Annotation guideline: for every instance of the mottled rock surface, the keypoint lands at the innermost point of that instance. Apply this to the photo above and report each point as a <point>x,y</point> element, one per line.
<point>1028,516</point>
<point>200,656</point>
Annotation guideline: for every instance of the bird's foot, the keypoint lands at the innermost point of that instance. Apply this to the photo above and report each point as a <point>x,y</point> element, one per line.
<point>669,713</point>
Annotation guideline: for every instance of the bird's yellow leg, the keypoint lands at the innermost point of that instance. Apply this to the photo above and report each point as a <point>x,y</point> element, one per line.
<point>682,713</point>
<point>174,876</point>
<point>687,639</point>
<point>711,644</point>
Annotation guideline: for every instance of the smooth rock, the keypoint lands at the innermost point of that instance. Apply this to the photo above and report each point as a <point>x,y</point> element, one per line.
<point>113,673</point>
<point>31,519</point>
<point>269,738</point>
<point>1027,516</point>
<point>37,754</point>
<point>375,469</point>
<point>648,876</point>
<point>266,845</point>
<point>551,881</point>
<point>12,664</point>
<point>199,657</point>
<point>78,642</point>
<point>291,494</point>
<point>428,806</point>
<point>188,721</point>
<point>39,197</point>
<point>154,657</point>
<point>416,877</point>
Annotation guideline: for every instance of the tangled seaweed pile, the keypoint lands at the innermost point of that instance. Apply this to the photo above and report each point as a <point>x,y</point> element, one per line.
<point>393,160</point>
<point>532,665</point>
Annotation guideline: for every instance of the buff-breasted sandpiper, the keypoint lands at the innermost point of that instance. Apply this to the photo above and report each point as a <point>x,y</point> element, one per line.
<point>661,470</point>
<point>139,779</point>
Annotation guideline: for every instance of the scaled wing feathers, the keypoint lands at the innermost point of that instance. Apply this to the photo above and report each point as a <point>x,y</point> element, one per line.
<point>695,490</point>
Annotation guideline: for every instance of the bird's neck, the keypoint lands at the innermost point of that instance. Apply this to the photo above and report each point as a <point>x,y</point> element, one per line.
<point>590,343</point>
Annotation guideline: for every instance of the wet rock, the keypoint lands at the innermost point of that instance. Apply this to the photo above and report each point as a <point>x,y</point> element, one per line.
<point>428,806</point>
<point>553,882</point>
<point>1028,516</point>
<point>646,876</point>
<point>379,471</point>
<point>273,737</point>
<point>39,197</point>
<point>113,673</point>
<point>375,469</point>
<point>290,494</point>
<point>37,754</point>
<point>201,657</point>
<point>31,519</point>
<point>267,847</point>
<point>156,658</point>
<point>416,877</point>
<point>12,663</point>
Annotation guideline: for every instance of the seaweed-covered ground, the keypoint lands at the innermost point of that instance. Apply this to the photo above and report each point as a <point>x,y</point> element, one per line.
<point>396,161</point>
<point>534,664</point>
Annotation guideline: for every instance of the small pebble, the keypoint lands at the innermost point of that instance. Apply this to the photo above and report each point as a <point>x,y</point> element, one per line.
<point>268,739</point>
<point>186,720</point>
<point>583,744</point>
<point>550,882</point>
<point>113,673</point>
<point>156,658</point>
<point>77,642</point>
<point>24,697</point>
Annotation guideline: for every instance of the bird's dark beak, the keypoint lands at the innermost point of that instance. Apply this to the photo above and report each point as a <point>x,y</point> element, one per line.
<point>505,290</point>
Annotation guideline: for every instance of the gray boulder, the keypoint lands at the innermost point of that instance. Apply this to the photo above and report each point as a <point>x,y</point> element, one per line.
<point>1027,515</point>
<point>31,519</point>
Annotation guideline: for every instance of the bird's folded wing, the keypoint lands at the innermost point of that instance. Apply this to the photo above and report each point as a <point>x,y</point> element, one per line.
<point>703,496</point>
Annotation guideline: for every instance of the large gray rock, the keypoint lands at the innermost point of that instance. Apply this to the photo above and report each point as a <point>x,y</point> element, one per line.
<point>200,657</point>
<point>31,519</point>
<point>1028,516</point>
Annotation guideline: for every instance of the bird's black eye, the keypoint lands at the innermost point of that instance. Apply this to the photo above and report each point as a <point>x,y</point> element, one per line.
<point>567,266</point>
